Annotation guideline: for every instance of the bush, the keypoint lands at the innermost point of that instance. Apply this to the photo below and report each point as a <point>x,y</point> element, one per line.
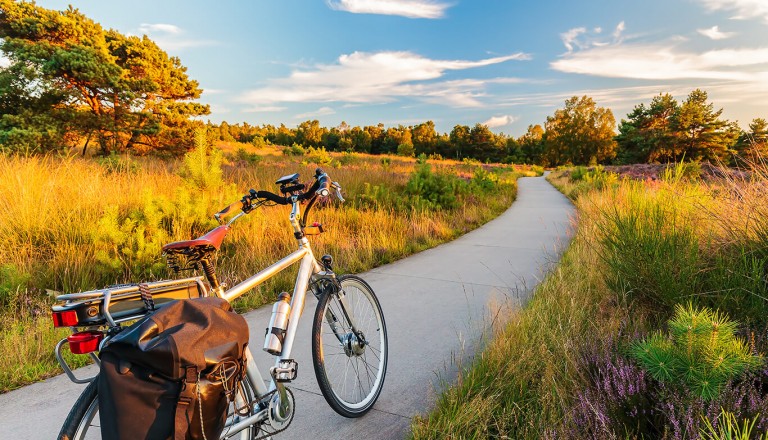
<point>202,165</point>
<point>294,150</point>
<point>430,190</point>
<point>406,150</point>
<point>242,155</point>
<point>319,156</point>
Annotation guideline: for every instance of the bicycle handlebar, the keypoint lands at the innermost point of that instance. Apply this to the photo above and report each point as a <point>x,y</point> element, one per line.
<point>321,187</point>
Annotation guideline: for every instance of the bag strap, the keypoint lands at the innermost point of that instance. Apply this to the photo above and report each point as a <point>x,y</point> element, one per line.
<point>185,407</point>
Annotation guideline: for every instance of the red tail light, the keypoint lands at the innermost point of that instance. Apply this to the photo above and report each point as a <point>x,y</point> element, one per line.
<point>65,319</point>
<point>85,342</point>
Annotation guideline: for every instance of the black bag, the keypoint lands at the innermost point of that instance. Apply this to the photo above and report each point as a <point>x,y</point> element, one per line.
<point>158,374</point>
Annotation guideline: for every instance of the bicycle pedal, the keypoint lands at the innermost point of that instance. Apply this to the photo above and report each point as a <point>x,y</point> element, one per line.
<point>286,371</point>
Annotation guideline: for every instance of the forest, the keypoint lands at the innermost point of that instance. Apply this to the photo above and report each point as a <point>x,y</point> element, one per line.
<point>69,84</point>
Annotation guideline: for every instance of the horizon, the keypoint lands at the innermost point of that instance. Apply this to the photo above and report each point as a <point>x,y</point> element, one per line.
<point>396,62</point>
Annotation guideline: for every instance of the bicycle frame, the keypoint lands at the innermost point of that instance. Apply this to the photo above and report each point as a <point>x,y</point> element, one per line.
<point>308,268</point>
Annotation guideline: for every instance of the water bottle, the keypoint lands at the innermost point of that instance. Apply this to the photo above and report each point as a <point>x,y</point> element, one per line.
<point>273,343</point>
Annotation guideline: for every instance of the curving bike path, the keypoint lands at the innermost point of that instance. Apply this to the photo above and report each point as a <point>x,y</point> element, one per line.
<point>437,305</point>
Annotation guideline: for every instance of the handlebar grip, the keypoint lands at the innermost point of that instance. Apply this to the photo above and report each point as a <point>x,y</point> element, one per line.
<point>223,213</point>
<point>322,184</point>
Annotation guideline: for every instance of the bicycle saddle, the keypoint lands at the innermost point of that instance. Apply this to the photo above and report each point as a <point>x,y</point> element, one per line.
<point>211,239</point>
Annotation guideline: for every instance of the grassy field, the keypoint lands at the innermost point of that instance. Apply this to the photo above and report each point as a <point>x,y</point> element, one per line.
<point>647,256</point>
<point>71,224</point>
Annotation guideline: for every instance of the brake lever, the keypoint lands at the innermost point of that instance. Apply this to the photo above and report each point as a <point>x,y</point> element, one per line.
<point>337,189</point>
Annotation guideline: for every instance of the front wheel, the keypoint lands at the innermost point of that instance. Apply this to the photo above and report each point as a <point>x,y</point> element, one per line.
<point>349,346</point>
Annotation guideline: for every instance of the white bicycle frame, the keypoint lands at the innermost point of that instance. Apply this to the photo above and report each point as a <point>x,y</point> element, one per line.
<point>307,269</point>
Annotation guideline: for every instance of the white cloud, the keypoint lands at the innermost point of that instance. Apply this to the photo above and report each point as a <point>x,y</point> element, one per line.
<point>405,8</point>
<point>581,38</point>
<point>322,111</point>
<point>744,9</point>
<point>4,62</point>
<point>570,37</point>
<point>159,28</point>
<point>664,62</point>
<point>715,33</point>
<point>364,77</point>
<point>500,121</point>
<point>738,74</point>
<point>170,37</point>
<point>264,109</point>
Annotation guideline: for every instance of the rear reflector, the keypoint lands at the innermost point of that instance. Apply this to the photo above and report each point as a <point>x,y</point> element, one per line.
<point>84,342</point>
<point>65,319</point>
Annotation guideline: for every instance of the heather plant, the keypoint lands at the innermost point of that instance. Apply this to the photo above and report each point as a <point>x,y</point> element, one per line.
<point>700,352</point>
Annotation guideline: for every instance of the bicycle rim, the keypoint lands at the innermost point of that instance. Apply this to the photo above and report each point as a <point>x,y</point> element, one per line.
<point>350,372</point>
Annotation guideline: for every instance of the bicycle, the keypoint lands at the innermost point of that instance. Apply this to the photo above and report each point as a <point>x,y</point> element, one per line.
<point>349,338</point>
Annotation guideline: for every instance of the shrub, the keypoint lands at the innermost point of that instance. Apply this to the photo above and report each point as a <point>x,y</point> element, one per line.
<point>319,156</point>
<point>701,352</point>
<point>294,150</point>
<point>115,163</point>
<point>484,180</point>
<point>432,190</point>
<point>406,150</point>
<point>243,155</point>
<point>202,165</point>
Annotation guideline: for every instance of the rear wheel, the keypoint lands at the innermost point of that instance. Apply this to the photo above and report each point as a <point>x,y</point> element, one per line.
<point>82,423</point>
<point>349,346</point>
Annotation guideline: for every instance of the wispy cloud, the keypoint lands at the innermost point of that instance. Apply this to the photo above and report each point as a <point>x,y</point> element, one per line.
<point>161,28</point>
<point>665,62</point>
<point>500,121</point>
<point>404,8</point>
<point>581,38</point>
<point>714,33</point>
<point>744,9</point>
<point>322,111</point>
<point>264,109</point>
<point>364,77</point>
<point>171,37</point>
<point>738,74</point>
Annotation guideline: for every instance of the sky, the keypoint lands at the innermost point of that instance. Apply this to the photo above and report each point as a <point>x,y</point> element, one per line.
<point>504,63</point>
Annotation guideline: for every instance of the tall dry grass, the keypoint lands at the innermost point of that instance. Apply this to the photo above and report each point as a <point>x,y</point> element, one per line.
<point>73,224</point>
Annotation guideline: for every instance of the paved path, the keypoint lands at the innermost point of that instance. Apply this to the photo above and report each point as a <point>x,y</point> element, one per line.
<point>436,303</point>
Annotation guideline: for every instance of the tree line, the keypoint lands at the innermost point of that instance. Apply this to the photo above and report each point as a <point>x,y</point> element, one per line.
<point>69,82</point>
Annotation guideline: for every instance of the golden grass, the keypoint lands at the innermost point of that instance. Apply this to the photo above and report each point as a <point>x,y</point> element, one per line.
<point>72,224</point>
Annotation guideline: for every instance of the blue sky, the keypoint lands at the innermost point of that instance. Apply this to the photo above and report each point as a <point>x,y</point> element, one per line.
<point>506,63</point>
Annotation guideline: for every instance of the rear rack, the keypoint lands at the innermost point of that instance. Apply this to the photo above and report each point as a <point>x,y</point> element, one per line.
<point>116,304</point>
<point>113,305</point>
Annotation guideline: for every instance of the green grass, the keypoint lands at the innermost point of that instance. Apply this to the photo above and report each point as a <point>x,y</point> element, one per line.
<point>640,249</point>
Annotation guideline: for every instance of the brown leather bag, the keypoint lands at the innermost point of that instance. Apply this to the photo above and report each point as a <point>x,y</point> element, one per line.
<point>158,374</point>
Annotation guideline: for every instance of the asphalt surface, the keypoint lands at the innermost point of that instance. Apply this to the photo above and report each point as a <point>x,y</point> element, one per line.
<point>438,305</point>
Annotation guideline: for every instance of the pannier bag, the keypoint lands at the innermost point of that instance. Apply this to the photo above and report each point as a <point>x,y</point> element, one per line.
<point>172,374</point>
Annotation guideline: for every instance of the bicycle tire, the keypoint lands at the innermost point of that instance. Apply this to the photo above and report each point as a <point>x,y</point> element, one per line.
<point>80,417</point>
<point>79,424</point>
<point>335,347</point>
